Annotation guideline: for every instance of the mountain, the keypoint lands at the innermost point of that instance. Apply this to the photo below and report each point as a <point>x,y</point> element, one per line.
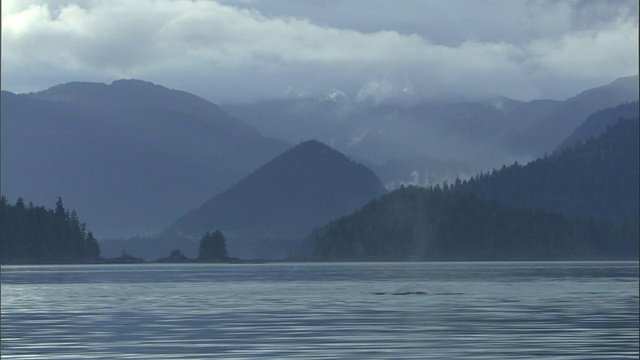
<point>579,203</point>
<point>125,95</point>
<point>289,194</point>
<point>597,178</point>
<point>130,156</point>
<point>545,135</point>
<point>286,198</point>
<point>468,136</point>
<point>413,223</point>
<point>266,212</point>
<point>598,122</point>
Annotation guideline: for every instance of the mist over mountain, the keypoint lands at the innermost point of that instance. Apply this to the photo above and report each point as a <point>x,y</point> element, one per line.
<point>579,203</point>
<point>464,136</point>
<point>380,133</point>
<point>420,171</point>
<point>130,156</point>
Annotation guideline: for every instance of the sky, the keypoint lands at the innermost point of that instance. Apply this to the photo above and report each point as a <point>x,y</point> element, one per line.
<point>369,50</point>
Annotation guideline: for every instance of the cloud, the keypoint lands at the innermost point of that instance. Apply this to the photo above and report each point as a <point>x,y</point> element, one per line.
<point>334,95</point>
<point>235,51</point>
<point>587,52</point>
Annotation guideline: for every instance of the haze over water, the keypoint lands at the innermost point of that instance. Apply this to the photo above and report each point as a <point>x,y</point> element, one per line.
<point>562,310</point>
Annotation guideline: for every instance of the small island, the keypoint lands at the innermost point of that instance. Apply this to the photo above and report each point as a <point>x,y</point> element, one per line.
<point>124,259</point>
<point>213,248</point>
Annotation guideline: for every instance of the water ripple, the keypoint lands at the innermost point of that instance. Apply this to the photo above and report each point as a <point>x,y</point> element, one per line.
<point>321,311</point>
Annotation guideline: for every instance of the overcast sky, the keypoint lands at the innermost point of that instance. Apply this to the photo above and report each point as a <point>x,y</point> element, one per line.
<point>229,51</point>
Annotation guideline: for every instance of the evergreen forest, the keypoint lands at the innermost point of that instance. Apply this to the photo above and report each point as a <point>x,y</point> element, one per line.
<point>597,178</point>
<point>578,203</point>
<point>414,223</point>
<point>34,234</point>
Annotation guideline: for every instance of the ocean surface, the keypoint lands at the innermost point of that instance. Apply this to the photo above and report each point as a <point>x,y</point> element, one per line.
<point>491,310</point>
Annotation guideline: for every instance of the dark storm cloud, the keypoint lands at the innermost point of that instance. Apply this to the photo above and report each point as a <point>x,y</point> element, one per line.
<point>371,50</point>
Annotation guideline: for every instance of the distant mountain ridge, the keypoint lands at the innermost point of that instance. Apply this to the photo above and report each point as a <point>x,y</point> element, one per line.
<point>547,134</point>
<point>131,156</point>
<point>464,137</point>
<point>598,122</point>
<point>132,93</point>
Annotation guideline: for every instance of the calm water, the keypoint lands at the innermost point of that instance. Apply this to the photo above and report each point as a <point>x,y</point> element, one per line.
<point>585,310</point>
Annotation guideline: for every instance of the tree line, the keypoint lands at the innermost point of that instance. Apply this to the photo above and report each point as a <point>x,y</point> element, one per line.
<point>441,224</point>
<point>596,178</point>
<point>30,233</point>
<point>34,234</point>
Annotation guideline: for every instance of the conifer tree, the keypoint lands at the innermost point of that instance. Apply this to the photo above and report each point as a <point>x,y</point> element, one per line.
<point>213,247</point>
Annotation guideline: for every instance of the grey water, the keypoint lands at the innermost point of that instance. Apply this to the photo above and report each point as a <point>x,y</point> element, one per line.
<point>525,310</point>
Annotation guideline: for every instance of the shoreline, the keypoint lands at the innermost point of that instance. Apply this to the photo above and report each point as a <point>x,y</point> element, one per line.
<point>305,261</point>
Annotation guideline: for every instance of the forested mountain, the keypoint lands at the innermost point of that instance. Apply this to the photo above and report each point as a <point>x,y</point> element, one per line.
<point>265,213</point>
<point>130,156</point>
<point>591,187</point>
<point>598,178</point>
<point>414,223</point>
<point>33,234</point>
<point>598,122</point>
<point>463,136</point>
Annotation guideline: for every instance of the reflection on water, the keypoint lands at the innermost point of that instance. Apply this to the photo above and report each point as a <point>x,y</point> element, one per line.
<point>321,311</point>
